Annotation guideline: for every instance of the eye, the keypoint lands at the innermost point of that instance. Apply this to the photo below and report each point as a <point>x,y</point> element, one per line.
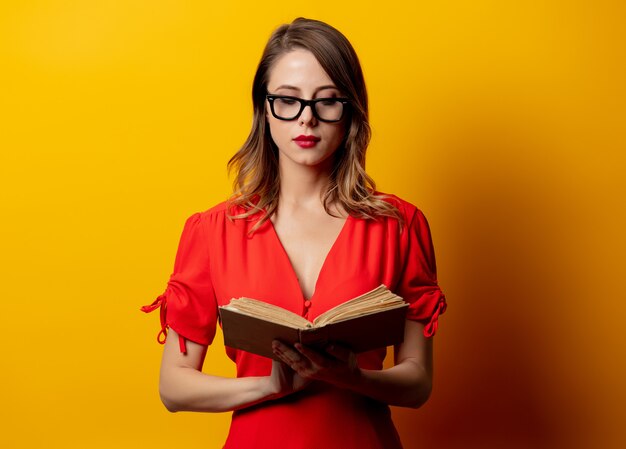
<point>286,101</point>
<point>328,102</point>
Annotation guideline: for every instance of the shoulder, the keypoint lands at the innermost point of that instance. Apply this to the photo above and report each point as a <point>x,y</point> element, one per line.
<point>225,209</point>
<point>220,216</point>
<point>211,215</point>
<point>407,209</point>
<point>219,210</point>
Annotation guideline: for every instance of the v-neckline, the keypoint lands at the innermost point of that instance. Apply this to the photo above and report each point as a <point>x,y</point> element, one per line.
<point>294,275</point>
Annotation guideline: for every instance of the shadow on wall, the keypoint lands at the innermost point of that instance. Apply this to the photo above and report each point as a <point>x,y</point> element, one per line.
<point>502,242</point>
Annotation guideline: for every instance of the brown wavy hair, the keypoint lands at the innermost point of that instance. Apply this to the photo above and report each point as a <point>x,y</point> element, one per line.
<point>256,185</point>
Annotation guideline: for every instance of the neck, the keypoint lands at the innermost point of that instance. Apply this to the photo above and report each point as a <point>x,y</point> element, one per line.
<point>302,186</point>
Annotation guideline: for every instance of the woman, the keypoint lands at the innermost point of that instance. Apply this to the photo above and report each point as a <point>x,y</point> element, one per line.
<point>305,230</point>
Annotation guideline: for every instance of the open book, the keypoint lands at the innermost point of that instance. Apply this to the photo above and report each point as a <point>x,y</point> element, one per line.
<point>370,321</point>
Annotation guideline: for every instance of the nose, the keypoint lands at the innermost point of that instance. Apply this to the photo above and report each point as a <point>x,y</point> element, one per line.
<point>306,116</point>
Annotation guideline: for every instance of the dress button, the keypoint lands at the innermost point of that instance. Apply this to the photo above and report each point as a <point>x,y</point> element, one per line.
<point>307,304</point>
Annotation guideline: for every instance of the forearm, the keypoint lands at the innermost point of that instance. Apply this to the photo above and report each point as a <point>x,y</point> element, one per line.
<point>406,384</point>
<point>187,389</point>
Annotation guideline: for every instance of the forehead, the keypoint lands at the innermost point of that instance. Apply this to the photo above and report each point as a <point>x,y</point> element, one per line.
<point>298,68</point>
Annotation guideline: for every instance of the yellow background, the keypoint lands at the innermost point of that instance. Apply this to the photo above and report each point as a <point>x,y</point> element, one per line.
<point>502,120</point>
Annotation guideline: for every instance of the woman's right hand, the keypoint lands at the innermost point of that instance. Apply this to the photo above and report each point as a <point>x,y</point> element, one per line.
<point>284,380</point>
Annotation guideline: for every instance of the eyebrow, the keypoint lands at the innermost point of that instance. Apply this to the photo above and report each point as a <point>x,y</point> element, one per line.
<point>286,86</point>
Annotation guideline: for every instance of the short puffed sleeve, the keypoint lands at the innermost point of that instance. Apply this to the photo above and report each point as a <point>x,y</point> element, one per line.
<point>188,303</point>
<point>418,280</point>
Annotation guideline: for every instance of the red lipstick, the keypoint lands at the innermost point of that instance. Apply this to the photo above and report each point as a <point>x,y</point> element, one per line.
<point>306,141</point>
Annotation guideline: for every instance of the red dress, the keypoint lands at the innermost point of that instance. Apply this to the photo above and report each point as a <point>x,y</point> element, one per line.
<point>218,259</point>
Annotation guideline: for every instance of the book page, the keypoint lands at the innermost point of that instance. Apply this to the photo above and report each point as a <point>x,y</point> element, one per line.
<point>268,312</point>
<point>381,298</point>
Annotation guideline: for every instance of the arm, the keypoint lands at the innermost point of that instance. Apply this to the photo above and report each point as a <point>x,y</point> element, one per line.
<point>408,383</point>
<point>184,387</point>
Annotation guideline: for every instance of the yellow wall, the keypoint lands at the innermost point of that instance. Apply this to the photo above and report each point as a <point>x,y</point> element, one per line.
<point>503,120</point>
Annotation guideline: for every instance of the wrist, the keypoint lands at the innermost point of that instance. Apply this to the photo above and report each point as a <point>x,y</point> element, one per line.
<point>266,388</point>
<point>354,380</point>
<point>361,382</point>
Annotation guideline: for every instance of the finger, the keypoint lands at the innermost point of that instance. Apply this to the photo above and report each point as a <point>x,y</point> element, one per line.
<point>286,362</point>
<point>314,356</point>
<point>281,371</point>
<point>340,352</point>
<point>287,354</point>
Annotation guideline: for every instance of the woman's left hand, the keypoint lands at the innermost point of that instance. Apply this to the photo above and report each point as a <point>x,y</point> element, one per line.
<point>338,365</point>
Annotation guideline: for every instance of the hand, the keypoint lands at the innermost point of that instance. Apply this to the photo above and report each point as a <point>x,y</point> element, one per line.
<point>283,380</point>
<point>338,365</point>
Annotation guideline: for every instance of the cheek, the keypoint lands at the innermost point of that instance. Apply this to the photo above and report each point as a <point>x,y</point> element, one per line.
<point>339,134</point>
<point>279,131</point>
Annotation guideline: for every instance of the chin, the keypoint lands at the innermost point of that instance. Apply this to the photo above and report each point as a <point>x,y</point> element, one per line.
<point>311,160</point>
<point>307,158</point>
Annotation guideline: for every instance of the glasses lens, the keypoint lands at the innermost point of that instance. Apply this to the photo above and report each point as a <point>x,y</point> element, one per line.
<point>286,108</point>
<point>329,109</point>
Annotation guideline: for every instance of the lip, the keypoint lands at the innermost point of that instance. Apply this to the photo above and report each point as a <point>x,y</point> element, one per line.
<point>307,138</point>
<point>306,141</point>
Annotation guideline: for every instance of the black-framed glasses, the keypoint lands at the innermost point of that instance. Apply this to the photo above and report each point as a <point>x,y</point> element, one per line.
<point>330,110</point>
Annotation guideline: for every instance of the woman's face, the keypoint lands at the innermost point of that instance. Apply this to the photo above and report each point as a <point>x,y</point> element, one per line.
<point>298,74</point>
